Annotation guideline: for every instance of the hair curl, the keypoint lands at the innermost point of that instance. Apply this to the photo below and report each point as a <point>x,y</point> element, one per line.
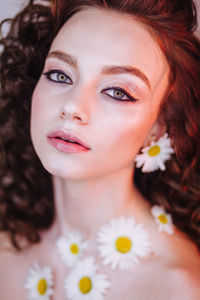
<point>26,194</point>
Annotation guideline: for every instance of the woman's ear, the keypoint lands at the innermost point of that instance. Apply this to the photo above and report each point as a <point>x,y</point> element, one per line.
<point>156,131</point>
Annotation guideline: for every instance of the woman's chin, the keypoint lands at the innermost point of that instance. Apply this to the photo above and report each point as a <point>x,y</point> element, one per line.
<point>64,170</point>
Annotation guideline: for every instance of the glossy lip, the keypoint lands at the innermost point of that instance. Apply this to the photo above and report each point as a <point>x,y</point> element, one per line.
<point>63,134</point>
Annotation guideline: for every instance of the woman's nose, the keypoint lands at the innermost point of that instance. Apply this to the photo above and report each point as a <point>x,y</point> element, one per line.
<point>76,107</point>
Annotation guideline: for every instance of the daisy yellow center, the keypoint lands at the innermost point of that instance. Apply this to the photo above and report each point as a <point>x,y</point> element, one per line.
<point>123,244</point>
<point>42,286</point>
<point>153,151</point>
<point>85,285</point>
<point>163,219</point>
<point>74,249</point>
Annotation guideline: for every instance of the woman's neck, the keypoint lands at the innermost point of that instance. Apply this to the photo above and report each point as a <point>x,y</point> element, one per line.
<point>86,204</point>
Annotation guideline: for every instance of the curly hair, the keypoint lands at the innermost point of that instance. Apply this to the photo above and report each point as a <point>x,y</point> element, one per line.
<point>26,193</point>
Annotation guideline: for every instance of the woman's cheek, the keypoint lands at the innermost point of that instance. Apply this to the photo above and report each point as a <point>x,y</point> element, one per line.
<point>37,112</point>
<point>39,105</point>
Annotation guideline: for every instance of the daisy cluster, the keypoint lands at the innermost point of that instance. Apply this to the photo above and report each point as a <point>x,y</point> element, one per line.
<point>84,281</point>
<point>121,243</point>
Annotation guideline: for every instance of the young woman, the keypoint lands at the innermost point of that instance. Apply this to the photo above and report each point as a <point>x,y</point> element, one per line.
<point>100,128</point>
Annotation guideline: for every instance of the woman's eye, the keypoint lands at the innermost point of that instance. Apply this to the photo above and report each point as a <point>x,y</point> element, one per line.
<point>119,94</point>
<point>58,76</point>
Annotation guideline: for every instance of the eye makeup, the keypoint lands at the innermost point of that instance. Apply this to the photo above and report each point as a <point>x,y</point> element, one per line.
<point>57,76</point>
<point>121,94</point>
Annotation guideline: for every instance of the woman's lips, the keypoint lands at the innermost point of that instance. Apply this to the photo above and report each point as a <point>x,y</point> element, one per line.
<point>63,141</point>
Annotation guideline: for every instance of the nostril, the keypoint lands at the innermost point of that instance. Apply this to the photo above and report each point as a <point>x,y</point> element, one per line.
<point>73,116</point>
<point>63,115</point>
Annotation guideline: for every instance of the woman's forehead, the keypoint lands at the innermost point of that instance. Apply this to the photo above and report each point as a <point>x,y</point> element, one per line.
<point>99,37</point>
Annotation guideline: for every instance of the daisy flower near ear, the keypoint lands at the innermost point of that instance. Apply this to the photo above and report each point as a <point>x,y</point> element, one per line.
<point>39,283</point>
<point>154,156</point>
<point>162,219</point>
<point>122,242</point>
<point>71,247</point>
<point>84,283</point>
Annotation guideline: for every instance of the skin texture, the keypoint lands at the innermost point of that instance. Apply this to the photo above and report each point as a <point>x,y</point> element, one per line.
<point>91,114</point>
<point>92,187</point>
<point>114,131</point>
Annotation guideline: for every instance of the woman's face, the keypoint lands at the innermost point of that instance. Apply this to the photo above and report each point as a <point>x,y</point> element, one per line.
<point>97,62</point>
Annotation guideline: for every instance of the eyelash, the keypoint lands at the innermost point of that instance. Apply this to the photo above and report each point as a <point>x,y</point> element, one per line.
<point>58,72</point>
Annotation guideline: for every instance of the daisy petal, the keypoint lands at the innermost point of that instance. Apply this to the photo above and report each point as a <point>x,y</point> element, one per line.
<point>124,245</point>
<point>71,247</point>
<point>84,283</point>
<point>39,283</point>
<point>162,219</point>
<point>154,156</point>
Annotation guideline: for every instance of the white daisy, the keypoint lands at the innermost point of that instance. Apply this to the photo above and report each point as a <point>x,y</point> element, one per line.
<point>84,283</point>
<point>39,283</point>
<point>122,242</point>
<point>154,156</point>
<point>163,219</point>
<point>71,247</point>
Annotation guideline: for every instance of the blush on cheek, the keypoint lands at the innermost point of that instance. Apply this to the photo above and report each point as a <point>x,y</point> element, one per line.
<point>38,105</point>
<point>136,130</point>
<point>35,107</point>
<point>40,94</point>
<point>37,112</point>
<point>36,101</point>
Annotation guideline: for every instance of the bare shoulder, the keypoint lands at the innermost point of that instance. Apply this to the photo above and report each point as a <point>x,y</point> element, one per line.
<point>167,280</point>
<point>162,280</point>
<point>9,274</point>
<point>180,271</point>
<point>183,272</point>
<point>183,283</point>
<point>13,272</point>
<point>8,258</point>
<point>7,252</point>
<point>174,269</point>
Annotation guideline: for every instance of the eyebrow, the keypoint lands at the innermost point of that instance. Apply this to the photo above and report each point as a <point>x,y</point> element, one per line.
<point>107,70</point>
